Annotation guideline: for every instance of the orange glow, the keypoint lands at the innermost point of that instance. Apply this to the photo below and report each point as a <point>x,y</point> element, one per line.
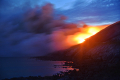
<point>89,32</point>
<point>84,33</point>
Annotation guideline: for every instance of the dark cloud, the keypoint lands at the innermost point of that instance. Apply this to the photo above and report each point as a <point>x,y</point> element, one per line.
<point>34,32</point>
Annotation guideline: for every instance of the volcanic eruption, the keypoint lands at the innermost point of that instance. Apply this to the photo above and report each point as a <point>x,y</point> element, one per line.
<point>84,33</point>
<point>38,31</point>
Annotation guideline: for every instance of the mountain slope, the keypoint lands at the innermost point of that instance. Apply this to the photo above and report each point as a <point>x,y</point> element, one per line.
<point>101,49</point>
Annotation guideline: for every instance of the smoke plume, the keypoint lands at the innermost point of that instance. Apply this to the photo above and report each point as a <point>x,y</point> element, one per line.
<point>35,32</point>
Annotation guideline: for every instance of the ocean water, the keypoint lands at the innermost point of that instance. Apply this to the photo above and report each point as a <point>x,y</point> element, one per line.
<point>25,67</point>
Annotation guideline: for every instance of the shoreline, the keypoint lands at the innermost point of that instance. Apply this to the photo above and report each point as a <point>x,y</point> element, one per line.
<point>85,73</point>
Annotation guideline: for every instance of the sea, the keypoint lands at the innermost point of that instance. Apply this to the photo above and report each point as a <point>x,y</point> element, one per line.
<point>25,67</point>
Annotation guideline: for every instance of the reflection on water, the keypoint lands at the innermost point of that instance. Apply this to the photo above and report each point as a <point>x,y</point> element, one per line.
<point>24,67</point>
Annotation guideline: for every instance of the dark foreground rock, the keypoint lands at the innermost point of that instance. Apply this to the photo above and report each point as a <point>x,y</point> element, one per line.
<point>100,54</point>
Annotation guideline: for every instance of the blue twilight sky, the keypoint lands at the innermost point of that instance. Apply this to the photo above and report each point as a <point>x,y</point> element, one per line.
<point>93,12</point>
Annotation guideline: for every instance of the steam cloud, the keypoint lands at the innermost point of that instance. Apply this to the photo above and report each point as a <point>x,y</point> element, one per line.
<point>35,32</point>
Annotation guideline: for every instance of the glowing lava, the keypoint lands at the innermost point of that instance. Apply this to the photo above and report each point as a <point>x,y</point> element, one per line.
<point>79,38</point>
<point>84,33</point>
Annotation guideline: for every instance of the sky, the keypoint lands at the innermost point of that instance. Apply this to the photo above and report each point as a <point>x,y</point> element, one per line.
<point>39,27</point>
<point>94,12</point>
